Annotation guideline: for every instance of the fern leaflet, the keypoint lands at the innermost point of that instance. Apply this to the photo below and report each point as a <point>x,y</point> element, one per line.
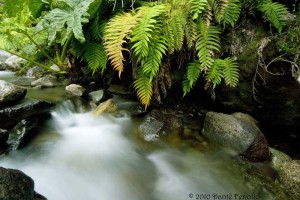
<point>96,57</point>
<point>143,87</point>
<point>198,6</point>
<point>214,74</point>
<point>194,70</point>
<point>115,34</point>
<point>230,72</point>
<point>276,13</point>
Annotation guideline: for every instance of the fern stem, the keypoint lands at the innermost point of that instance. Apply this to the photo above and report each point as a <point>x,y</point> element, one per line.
<point>40,48</point>
<point>32,61</point>
<point>65,48</point>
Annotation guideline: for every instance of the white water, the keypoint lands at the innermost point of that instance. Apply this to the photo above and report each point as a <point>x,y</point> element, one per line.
<point>82,157</point>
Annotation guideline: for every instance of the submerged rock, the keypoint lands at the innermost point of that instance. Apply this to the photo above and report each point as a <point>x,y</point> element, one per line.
<point>157,125</point>
<point>20,133</point>
<point>12,115</point>
<point>42,82</point>
<point>108,106</point>
<point>10,93</point>
<point>15,185</point>
<point>239,132</point>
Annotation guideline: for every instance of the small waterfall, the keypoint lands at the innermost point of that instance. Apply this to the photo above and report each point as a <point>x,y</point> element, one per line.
<point>80,156</point>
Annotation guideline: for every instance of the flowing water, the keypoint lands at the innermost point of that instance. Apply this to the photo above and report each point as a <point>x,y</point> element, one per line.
<point>79,156</point>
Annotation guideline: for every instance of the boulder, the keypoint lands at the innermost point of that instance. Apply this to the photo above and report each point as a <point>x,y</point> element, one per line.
<point>2,66</point>
<point>96,96</point>
<point>4,55</point>
<point>14,63</point>
<point>278,158</point>
<point>42,82</point>
<point>289,177</point>
<point>10,116</point>
<point>16,185</point>
<point>157,125</point>
<point>20,133</point>
<point>10,93</point>
<point>108,106</point>
<point>75,90</point>
<point>238,132</point>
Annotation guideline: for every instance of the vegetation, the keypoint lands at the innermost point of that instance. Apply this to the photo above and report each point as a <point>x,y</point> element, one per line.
<point>145,35</point>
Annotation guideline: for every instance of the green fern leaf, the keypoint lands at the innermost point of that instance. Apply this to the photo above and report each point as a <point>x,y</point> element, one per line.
<point>198,6</point>
<point>214,73</point>
<point>191,32</point>
<point>157,48</point>
<point>96,57</point>
<point>230,72</point>
<point>116,32</point>
<point>143,87</point>
<point>276,13</point>
<point>228,11</point>
<point>194,70</point>
<point>142,32</point>
<point>208,41</point>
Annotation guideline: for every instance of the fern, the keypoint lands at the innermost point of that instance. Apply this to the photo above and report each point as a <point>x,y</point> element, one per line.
<point>157,48</point>
<point>143,86</point>
<point>116,32</point>
<point>276,13</point>
<point>141,33</point>
<point>207,42</point>
<point>214,74</point>
<point>190,30</point>
<point>175,30</point>
<point>194,70</point>
<point>230,72</point>
<point>96,57</point>
<point>229,12</point>
<point>197,7</point>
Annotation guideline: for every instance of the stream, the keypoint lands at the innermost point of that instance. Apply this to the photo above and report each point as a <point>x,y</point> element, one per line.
<point>78,156</point>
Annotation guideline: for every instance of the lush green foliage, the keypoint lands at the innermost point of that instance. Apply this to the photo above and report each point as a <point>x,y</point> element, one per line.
<point>148,36</point>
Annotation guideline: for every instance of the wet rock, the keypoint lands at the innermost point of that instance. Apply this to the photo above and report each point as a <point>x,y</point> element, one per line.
<point>2,66</point>
<point>289,177</point>
<point>10,93</point>
<point>4,55</point>
<point>238,132</point>
<point>20,133</point>
<point>3,138</point>
<point>15,185</point>
<point>75,90</point>
<point>14,63</point>
<point>23,81</point>
<point>96,96</point>
<point>43,82</point>
<point>157,125</point>
<point>108,106</point>
<point>278,158</point>
<point>12,115</point>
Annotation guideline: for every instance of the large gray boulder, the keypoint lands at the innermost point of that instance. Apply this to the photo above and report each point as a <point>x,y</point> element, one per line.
<point>4,55</point>
<point>10,93</point>
<point>159,125</point>
<point>14,63</point>
<point>15,185</point>
<point>238,132</point>
<point>11,116</point>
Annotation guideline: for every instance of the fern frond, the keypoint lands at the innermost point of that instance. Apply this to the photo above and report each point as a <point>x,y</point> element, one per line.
<point>191,32</point>
<point>194,70</point>
<point>142,32</point>
<point>157,48</point>
<point>198,6</point>
<point>230,72</point>
<point>96,57</point>
<point>175,30</point>
<point>116,32</point>
<point>143,87</point>
<point>276,14</point>
<point>214,74</point>
<point>207,16</point>
<point>228,11</point>
<point>208,41</point>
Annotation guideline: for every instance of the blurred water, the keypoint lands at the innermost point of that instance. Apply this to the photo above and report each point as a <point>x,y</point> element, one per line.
<point>79,156</point>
